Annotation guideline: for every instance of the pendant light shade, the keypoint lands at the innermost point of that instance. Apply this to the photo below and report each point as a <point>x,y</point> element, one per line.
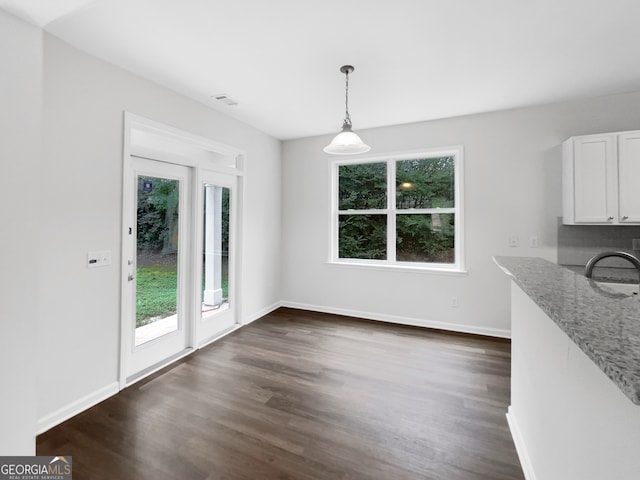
<point>346,142</point>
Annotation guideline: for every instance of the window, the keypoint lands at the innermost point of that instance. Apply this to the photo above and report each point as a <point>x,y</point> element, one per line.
<point>402,210</point>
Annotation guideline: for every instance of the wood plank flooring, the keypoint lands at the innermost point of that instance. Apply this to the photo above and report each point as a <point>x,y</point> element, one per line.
<point>309,396</point>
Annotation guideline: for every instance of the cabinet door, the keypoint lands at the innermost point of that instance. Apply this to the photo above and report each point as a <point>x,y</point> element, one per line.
<point>629,177</point>
<point>595,179</point>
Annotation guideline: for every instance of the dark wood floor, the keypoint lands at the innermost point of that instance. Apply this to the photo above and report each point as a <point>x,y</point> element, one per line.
<point>300,395</point>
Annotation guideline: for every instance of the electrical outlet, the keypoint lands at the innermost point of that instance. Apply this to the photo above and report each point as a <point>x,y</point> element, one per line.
<point>533,242</point>
<point>514,241</point>
<point>454,302</point>
<point>635,244</point>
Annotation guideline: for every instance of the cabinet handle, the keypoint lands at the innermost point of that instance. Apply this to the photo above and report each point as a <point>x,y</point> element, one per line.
<point>610,218</point>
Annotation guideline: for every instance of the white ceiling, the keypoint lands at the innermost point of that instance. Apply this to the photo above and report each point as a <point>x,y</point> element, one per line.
<point>414,59</point>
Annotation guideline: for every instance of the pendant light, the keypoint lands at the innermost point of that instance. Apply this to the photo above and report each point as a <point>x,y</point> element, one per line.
<point>346,142</point>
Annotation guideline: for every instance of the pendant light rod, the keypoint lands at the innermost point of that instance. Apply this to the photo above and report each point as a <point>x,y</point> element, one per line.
<point>346,69</point>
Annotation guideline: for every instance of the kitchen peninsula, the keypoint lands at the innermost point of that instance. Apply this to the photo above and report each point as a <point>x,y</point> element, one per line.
<point>575,374</point>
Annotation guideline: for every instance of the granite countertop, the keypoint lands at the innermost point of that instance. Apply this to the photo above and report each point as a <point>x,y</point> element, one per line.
<point>605,325</point>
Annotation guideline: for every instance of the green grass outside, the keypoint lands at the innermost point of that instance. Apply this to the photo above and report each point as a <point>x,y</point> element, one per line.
<point>157,292</point>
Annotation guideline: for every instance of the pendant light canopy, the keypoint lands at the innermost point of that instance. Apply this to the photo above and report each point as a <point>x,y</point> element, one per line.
<point>346,142</point>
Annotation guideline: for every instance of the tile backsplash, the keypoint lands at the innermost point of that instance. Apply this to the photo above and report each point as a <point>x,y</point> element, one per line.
<point>578,243</point>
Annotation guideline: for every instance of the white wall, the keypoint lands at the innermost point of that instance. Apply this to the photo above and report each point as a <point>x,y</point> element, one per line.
<point>66,201</point>
<point>20,116</point>
<point>512,187</point>
<point>84,101</point>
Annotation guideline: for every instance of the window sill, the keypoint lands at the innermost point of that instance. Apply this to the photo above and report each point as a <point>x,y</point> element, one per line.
<point>401,268</point>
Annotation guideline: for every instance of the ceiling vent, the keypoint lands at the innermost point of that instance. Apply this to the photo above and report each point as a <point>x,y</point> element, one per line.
<point>226,100</point>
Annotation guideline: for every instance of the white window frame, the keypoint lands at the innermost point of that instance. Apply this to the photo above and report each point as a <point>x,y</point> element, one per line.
<point>391,211</point>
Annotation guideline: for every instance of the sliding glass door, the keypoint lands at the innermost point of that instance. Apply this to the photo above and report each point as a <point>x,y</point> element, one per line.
<point>179,255</point>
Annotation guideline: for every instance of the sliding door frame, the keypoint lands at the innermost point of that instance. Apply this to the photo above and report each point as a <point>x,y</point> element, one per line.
<point>152,140</point>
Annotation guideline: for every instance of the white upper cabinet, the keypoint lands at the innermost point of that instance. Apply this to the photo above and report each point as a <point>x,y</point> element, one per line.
<point>629,177</point>
<point>600,175</point>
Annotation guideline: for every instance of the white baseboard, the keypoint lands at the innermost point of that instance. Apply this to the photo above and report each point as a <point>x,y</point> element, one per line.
<point>415,322</point>
<point>74,408</point>
<point>521,448</point>
<point>261,313</point>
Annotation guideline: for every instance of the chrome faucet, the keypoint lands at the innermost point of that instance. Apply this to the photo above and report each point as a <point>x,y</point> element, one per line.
<point>588,269</point>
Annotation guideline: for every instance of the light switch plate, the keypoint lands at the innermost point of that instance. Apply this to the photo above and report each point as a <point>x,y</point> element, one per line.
<point>100,258</point>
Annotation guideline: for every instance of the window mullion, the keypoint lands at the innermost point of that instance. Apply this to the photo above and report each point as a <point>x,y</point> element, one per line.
<point>424,211</point>
<point>372,211</point>
<point>391,208</point>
